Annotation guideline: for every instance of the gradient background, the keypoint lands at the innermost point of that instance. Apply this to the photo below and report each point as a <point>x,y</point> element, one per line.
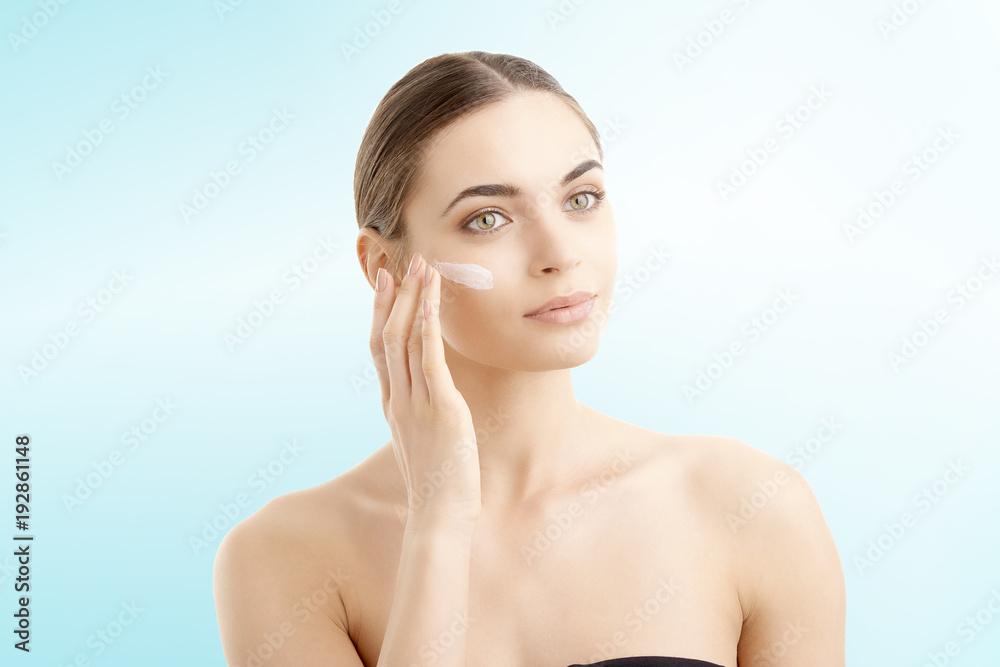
<point>305,374</point>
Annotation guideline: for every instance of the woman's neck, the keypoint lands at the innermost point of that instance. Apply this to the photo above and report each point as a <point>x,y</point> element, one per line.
<point>532,433</point>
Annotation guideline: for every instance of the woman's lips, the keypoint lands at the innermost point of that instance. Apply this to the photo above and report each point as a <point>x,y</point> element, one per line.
<point>566,315</point>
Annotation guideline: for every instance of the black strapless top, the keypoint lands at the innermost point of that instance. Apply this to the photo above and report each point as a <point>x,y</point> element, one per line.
<point>648,661</point>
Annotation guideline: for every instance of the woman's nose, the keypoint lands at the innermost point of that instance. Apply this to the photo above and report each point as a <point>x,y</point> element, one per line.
<point>554,242</point>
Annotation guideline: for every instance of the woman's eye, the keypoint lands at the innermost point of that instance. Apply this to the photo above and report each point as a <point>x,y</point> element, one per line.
<point>485,221</point>
<point>580,200</point>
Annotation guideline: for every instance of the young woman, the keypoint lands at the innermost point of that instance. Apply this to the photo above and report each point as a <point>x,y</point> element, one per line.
<point>505,524</point>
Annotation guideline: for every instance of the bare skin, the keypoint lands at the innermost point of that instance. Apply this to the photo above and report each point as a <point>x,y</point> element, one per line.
<point>552,590</point>
<point>657,536</point>
<point>596,538</point>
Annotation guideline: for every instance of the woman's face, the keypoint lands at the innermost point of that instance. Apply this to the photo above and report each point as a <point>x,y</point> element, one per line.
<point>554,238</point>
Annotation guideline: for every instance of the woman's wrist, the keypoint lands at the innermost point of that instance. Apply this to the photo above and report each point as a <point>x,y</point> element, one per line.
<point>434,520</point>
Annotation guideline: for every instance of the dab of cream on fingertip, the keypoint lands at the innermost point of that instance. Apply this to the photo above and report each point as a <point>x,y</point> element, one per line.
<point>470,275</point>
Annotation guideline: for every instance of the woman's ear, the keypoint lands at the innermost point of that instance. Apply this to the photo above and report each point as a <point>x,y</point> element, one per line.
<point>372,253</point>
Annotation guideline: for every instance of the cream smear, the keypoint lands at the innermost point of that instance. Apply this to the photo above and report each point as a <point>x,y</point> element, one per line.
<point>470,275</point>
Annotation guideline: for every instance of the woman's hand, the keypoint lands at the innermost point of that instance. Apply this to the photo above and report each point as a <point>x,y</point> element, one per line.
<point>433,436</point>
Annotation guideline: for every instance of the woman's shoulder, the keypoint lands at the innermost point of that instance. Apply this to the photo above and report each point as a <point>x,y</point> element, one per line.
<point>299,543</point>
<point>716,465</point>
<point>763,509</point>
<point>727,461</point>
<point>773,522</point>
<point>297,527</point>
<point>716,460</point>
<point>757,479</point>
<point>734,481</point>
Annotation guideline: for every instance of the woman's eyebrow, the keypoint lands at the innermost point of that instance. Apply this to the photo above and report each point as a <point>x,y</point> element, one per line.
<point>512,191</point>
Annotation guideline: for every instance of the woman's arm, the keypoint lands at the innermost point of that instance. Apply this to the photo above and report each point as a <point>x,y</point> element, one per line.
<point>260,589</point>
<point>429,621</point>
<point>791,579</point>
<point>259,602</point>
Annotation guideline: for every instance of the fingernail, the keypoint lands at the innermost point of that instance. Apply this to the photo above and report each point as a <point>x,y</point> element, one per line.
<point>427,275</point>
<point>414,263</point>
<point>380,279</point>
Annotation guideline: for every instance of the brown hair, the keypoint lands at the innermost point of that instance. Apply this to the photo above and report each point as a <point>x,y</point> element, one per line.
<point>429,97</point>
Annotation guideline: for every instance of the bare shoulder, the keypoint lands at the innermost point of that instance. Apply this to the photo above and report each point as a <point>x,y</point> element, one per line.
<point>290,525</point>
<point>307,526</point>
<point>272,553</point>
<point>729,469</point>
<point>790,576</point>
<point>718,469</point>
<point>759,498</point>
<point>285,568</point>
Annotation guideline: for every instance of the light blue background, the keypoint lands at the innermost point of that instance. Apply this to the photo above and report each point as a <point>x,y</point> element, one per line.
<point>297,377</point>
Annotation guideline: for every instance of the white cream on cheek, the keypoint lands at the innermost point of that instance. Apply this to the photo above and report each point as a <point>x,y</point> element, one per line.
<point>470,275</point>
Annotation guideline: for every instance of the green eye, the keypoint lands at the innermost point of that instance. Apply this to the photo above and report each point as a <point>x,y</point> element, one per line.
<point>577,196</point>
<point>488,218</point>
<point>485,222</point>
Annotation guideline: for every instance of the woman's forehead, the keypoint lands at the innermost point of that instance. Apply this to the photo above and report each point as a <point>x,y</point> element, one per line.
<point>518,140</point>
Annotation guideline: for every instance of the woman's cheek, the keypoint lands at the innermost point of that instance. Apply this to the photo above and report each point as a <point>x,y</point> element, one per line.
<point>474,327</point>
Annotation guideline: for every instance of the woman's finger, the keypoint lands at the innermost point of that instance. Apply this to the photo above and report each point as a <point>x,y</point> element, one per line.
<point>434,368</point>
<point>415,350</point>
<point>396,334</point>
<point>380,315</point>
